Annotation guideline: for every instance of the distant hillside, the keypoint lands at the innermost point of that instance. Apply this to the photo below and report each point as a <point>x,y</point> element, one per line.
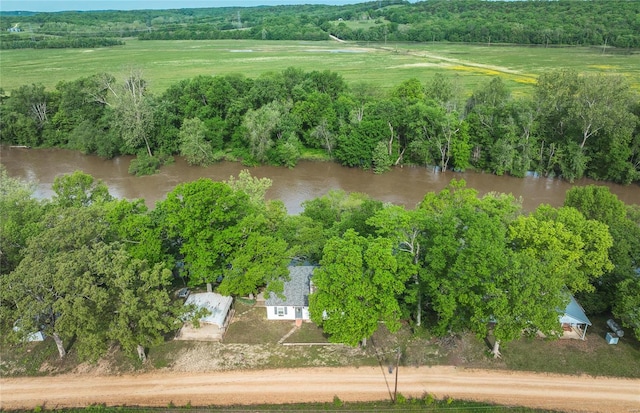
<point>590,22</point>
<point>17,13</point>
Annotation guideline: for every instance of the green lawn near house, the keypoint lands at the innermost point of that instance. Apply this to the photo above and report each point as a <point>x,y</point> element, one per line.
<point>250,326</point>
<point>308,333</point>
<point>594,356</point>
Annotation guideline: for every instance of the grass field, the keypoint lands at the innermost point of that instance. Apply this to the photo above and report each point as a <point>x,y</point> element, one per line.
<point>166,62</point>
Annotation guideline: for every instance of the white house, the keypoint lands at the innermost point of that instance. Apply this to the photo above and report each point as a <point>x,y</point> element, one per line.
<point>295,305</point>
<point>212,326</point>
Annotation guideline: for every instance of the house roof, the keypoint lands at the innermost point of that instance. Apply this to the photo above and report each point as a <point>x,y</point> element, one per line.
<point>218,305</point>
<point>574,314</point>
<point>296,290</point>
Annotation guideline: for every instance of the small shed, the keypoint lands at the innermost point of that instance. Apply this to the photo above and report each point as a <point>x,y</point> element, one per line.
<point>212,326</point>
<point>31,337</point>
<point>295,304</point>
<point>574,320</point>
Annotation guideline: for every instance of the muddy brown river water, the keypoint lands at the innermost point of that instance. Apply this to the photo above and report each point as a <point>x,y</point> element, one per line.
<point>405,186</point>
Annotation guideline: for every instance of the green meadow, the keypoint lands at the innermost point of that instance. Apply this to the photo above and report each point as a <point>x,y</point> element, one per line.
<point>383,65</point>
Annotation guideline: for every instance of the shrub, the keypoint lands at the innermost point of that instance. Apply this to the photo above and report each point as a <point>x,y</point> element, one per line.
<point>337,402</point>
<point>144,164</point>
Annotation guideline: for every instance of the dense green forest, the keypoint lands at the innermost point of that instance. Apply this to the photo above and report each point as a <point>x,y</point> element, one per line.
<point>565,22</point>
<point>573,125</point>
<point>90,270</point>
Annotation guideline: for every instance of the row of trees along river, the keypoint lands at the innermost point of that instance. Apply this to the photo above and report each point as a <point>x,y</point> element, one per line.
<point>88,269</point>
<point>608,23</point>
<point>573,125</point>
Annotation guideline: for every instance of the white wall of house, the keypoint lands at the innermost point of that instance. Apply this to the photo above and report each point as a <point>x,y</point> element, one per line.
<point>286,313</point>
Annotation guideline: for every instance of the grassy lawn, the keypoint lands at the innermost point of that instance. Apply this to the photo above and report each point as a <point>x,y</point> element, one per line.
<point>593,356</point>
<point>253,333</point>
<point>166,62</point>
<point>26,360</point>
<point>308,333</point>
<point>250,326</point>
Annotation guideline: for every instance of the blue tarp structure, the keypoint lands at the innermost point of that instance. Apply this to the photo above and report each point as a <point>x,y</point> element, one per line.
<point>574,315</point>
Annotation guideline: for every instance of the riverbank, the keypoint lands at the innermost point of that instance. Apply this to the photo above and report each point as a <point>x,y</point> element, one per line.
<point>308,180</point>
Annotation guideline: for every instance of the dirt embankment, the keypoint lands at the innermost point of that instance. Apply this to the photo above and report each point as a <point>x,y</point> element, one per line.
<point>567,393</point>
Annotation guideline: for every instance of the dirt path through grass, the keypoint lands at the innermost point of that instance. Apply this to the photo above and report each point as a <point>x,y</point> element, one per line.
<point>465,62</point>
<point>469,66</point>
<point>567,393</point>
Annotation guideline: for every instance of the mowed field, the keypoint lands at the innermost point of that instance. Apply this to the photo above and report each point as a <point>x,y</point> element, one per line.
<point>384,65</point>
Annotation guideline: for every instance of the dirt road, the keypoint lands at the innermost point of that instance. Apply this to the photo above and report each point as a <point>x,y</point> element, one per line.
<point>568,393</point>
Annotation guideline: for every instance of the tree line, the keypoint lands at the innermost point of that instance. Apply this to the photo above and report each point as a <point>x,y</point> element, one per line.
<point>573,125</point>
<point>90,271</point>
<point>10,41</point>
<point>585,23</point>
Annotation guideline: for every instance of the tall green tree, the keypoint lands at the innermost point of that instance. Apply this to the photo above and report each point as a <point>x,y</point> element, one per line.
<point>585,247</point>
<point>406,230</point>
<point>477,275</point>
<point>338,211</point>
<point>485,113</point>
<point>80,119</point>
<point>256,188</point>
<point>261,127</point>
<point>193,145</point>
<point>79,189</point>
<point>20,214</point>
<point>598,203</point>
<point>138,230</point>
<point>141,311</point>
<point>258,260</point>
<point>439,136</point>
<point>30,109</point>
<point>466,250</point>
<point>588,123</point>
<point>521,298</point>
<point>356,287</point>
<point>134,113</point>
<point>627,304</point>
<point>201,217</point>
<point>56,288</point>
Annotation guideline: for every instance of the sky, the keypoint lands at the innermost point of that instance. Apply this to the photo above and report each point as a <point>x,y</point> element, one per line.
<point>65,5</point>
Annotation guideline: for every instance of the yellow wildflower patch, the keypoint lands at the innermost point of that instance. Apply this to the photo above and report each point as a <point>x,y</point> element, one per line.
<point>527,80</point>
<point>524,79</point>
<point>479,70</point>
<point>603,67</point>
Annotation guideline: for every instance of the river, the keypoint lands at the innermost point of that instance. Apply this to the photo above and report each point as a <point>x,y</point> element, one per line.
<point>308,180</point>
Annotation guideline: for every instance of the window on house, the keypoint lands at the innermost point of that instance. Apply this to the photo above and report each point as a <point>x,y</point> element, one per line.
<point>281,311</point>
